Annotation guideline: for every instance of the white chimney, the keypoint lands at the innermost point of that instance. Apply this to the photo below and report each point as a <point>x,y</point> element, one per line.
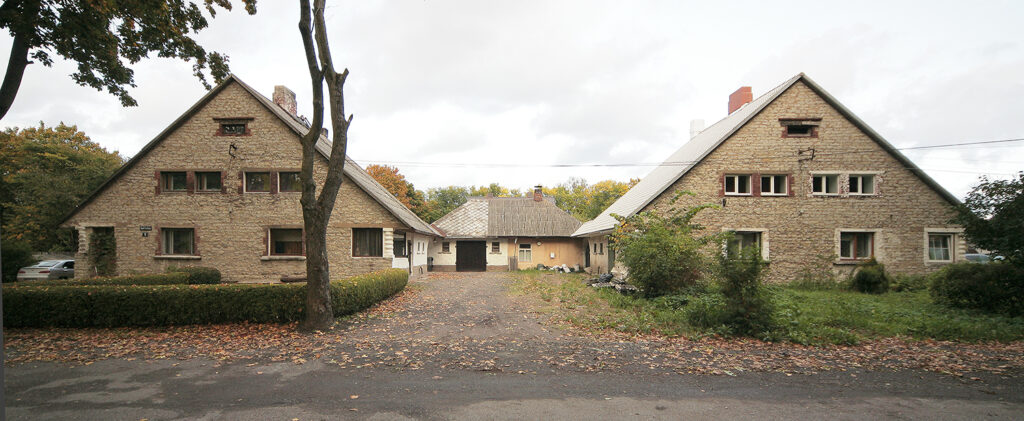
<point>696,126</point>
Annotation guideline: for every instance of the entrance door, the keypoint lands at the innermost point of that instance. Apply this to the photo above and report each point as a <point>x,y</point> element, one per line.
<point>470,256</point>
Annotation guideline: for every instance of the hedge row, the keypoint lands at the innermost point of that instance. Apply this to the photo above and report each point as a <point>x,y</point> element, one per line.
<point>162,305</point>
<point>994,287</point>
<point>127,280</point>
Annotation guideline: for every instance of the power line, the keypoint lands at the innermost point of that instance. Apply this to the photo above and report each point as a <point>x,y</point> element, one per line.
<point>420,164</point>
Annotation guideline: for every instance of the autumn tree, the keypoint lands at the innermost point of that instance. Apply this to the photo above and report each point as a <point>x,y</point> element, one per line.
<point>397,185</point>
<point>585,201</point>
<point>317,208</point>
<point>44,173</point>
<point>104,37</point>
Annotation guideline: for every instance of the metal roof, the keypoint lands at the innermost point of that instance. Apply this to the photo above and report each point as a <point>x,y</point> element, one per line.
<point>694,151</point>
<point>483,217</point>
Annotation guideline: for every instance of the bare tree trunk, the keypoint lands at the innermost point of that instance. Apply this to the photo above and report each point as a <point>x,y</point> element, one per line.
<point>15,71</point>
<point>316,210</point>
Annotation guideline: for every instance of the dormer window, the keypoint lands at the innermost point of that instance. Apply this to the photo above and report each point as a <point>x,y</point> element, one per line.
<point>235,126</point>
<point>800,127</point>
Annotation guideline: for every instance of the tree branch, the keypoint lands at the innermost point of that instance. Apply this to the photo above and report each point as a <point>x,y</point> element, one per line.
<point>15,71</point>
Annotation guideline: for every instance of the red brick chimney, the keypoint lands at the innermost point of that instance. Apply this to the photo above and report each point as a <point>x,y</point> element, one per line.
<point>741,97</point>
<point>285,98</point>
<point>538,194</point>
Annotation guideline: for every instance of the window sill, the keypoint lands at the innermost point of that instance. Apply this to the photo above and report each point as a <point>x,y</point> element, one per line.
<point>774,194</point>
<point>272,258</point>
<point>738,195</point>
<point>177,257</point>
<point>824,194</point>
<point>367,257</point>
<point>862,195</point>
<point>850,261</point>
<point>938,262</point>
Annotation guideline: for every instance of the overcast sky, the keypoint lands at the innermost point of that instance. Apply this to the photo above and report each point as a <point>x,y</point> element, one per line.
<point>492,83</point>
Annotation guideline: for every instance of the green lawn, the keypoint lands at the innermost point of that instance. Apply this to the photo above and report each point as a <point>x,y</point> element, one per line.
<point>809,317</point>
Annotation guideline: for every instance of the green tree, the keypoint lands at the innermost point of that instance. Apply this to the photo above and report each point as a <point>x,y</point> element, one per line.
<point>662,249</point>
<point>440,201</point>
<point>585,201</point>
<point>44,173</point>
<point>993,217</point>
<point>494,189</point>
<point>104,37</point>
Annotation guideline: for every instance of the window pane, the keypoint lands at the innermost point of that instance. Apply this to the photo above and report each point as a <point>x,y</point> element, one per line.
<point>286,242</point>
<point>779,185</point>
<point>864,245</point>
<point>730,184</point>
<point>495,247</point>
<point>854,184</point>
<point>816,184</point>
<point>173,181</point>
<point>832,185</point>
<point>398,244</point>
<point>766,184</point>
<point>208,181</point>
<point>367,242</point>
<point>178,241</point>
<point>289,181</point>
<point>846,245</point>
<point>867,184</point>
<point>938,247</point>
<point>446,247</point>
<point>743,182</point>
<point>525,253</point>
<point>257,181</point>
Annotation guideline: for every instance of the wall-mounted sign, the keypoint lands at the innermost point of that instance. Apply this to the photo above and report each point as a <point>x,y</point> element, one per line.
<point>145,228</point>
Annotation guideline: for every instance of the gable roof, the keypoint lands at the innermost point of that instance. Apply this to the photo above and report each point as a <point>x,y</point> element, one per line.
<point>695,150</point>
<point>352,170</point>
<point>482,217</point>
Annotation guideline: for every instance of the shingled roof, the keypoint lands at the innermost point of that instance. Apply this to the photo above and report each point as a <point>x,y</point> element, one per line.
<point>488,217</point>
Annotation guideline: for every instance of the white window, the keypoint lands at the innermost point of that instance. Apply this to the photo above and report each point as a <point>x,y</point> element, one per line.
<point>774,185</point>
<point>825,184</point>
<point>743,240</point>
<point>286,242</point>
<point>856,245</point>
<point>179,241</point>
<point>737,184</point>
<point>862,184</point>
<point>525,253</point>
<point>940,247</point>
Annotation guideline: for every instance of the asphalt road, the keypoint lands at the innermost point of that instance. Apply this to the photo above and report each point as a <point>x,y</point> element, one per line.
<point>469,352</point>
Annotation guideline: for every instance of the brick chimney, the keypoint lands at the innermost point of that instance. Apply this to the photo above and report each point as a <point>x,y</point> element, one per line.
<point>741,97</point>
<point>285,98</point>
<point>538,194</point>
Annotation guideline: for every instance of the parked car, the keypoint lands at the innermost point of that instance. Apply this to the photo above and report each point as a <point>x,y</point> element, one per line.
<point>48,269</point>
<point>982,258</point>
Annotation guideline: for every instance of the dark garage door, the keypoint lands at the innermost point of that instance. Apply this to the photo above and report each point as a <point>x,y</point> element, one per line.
<point>471,256</point>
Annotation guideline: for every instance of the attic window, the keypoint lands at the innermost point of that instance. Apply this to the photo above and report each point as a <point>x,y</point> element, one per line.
<point>237,126</point>
<point>803,127</point>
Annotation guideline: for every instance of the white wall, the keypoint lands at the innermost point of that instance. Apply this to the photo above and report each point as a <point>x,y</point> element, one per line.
<point>439,257</point>
<point>501,257</point>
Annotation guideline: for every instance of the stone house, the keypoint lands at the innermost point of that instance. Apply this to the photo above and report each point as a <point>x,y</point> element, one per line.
<point>506,233</point>
<point>799,175</point>
<point>219,188</point>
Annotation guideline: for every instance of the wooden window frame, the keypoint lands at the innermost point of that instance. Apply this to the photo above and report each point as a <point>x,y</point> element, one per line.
<point>495,247</point>
<point>199,181</point>
<point>270,241</point>
<point>354,239</point>
<point>853,245</point>
<point>164,178</point>
<point>162,238</point>
<point>245,181</point>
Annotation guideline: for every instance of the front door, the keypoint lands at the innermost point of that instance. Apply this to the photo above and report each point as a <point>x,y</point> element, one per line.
<point>470,256</point>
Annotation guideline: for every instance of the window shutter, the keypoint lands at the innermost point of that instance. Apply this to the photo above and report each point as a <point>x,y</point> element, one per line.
<point>791,186</point>
<point>273,182</point>
<point>755,184</point>
<point>241,182</point>
<point>157,176</point>
<point>223,182</point>
<point>190,182</point>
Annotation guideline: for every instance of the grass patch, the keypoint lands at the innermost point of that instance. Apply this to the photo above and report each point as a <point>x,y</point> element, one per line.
<point>806,316</point>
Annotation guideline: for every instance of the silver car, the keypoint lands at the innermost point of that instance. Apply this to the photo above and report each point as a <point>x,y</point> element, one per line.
<point>48,269</point>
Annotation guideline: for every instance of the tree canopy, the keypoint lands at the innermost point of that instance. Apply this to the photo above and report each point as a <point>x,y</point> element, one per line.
<point>44,173</point>
<point>587,201</point>
<point>105,37</point>
<point>993,217</point>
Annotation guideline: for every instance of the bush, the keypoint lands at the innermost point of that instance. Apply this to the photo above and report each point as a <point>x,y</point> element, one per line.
<point>748,304</point>
<point>870,278</point>
<point>198,274</point>
<point>16,255</point>
<point>994,287</point>
<point>908,283</point>
<point>162,305</point>
<point>157,279</point>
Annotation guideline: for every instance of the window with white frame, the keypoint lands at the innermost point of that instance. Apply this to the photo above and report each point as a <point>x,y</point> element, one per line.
<point>525,253</point>
<point>286,242</point>
<point>179,241</point>
<point>743,240</point>
<point>862,184</point>
<point>737,184</point>
<point>825,184</point>
<point>856,245</point>
<point>774,185</point>
<point>940,247</point>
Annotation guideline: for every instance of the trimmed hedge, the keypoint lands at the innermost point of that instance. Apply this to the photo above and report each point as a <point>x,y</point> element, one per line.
<point>127,280</point>
<point>994,287</point>
<point>163,305</point>
<point>197,274</point>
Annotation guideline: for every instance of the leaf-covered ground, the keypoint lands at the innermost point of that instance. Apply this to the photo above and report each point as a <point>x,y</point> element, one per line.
<point>468,322</point>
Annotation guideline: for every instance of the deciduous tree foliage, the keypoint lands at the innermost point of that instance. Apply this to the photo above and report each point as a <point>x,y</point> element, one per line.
<point>993,217</point>
<point>44,173</point>
<point>585,201</point>
<point>105,37</point>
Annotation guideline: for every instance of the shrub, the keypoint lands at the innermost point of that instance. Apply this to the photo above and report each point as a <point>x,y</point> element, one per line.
<point>870,278</point>
<point>908,283</point>
<point>748,305</point>
<point>660,250</point>
<point>155,279</point>
<point>198,274</point>
<point>817,275</point>
<point>161,305</point>
<point>102,252</point>
<point>16,255</point>
<point>994,287</point>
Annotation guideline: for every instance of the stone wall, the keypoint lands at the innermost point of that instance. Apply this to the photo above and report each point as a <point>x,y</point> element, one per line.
<point>230,226</point>
<point>798,227</point>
